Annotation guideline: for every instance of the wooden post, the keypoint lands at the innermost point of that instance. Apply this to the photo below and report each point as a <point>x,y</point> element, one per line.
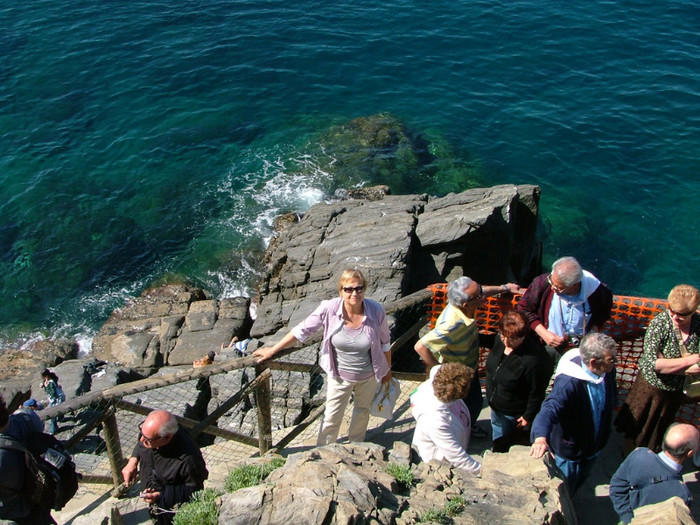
<point>114,447</point>
<point>262,398</point>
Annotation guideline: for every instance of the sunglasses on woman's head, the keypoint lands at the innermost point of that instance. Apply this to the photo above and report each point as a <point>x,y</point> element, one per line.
<point>350,289</point>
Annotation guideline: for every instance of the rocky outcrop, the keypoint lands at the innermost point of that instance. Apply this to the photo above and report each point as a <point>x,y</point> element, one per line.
<point>673,511</point>
<point>18,368</point>
<point>168,326</point>
<point>402,244</point>
<point>350,484</point>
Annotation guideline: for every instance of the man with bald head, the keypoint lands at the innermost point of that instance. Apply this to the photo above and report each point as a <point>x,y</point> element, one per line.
<point>645,478</point>
<point>171,465</point>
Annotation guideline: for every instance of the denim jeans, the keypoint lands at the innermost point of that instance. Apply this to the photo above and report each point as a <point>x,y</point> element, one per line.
<point>502,424</point>
<point>575,471</point>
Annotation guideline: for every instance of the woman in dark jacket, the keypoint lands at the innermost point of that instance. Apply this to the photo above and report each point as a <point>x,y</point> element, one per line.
<point>517,374</point>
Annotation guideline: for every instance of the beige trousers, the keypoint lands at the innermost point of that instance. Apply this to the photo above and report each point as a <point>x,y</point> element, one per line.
<point>337,396</point>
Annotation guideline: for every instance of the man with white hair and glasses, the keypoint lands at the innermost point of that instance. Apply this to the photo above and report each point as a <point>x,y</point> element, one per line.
<point>564,305</point>
<point>575,419</point>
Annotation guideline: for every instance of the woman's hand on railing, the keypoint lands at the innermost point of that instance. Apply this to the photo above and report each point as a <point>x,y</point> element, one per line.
<point>264,353</point>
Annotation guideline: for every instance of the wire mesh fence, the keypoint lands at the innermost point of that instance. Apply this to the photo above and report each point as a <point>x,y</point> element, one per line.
<point>235,409</point>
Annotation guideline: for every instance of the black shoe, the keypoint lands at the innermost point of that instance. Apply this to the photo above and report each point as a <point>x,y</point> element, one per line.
<point>479,433</point>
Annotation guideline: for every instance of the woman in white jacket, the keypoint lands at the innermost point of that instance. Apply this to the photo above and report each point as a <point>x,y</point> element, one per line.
<point>443,425</point>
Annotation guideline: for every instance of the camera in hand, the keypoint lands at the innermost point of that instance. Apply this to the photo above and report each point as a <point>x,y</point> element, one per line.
<point>572,339</point>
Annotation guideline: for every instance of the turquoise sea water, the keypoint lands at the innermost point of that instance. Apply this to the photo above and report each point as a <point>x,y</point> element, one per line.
<point>141,139</point>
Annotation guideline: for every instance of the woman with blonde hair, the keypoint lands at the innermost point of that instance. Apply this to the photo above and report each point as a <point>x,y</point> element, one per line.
<point>670,353</point>
<point>354,353</point>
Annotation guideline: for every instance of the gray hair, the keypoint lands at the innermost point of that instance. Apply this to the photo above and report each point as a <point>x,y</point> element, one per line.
<point>568,270</point>
<point>596,346</point>
<point>169,427</point>
<point>455,291</point>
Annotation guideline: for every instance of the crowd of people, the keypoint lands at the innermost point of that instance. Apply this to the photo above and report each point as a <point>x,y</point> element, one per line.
<point>555,332</point>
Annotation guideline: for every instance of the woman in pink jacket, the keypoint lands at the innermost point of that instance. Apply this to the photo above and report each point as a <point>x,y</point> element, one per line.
<point>354,354</point>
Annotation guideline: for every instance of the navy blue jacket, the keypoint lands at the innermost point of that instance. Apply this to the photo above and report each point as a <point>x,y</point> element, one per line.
<point>644,479</point>
<point>566,417</point>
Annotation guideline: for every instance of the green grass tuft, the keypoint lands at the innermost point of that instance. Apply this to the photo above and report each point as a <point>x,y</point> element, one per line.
<point>200,510</point>
<point>402,473</point>
<point>444,516</point>
<point>454,506</point>
<point>433,516</point>
<point>250,474</point>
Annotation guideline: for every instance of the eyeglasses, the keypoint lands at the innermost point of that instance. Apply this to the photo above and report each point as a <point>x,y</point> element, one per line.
<point>680,314</point>
<point>608,360</point>
<point>556,288</point>
<point>356,289</point>
<point>477,297</point>
<point>148,441</point>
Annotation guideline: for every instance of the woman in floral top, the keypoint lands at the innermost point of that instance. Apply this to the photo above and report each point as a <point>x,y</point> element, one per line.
<point>670,353</point>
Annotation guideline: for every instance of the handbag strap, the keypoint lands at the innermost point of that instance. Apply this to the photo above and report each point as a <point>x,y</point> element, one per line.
<point>384,392</point>
<point>679,337</point>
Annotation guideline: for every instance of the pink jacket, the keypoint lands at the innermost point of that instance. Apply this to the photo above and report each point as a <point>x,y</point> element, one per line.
<point>329,315</point>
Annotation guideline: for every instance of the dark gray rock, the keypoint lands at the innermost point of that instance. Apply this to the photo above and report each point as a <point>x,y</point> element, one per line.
<point>19,368</point>
<point>402,244</point>
<point>171,325</point>
<point>202,315</point>
<point>72,376</point>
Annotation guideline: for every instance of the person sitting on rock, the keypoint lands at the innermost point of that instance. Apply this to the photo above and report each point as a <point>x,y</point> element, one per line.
<point>443,423</point>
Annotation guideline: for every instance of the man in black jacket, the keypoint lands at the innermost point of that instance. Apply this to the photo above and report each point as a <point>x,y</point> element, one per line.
<point>171,465</point>
<point>15,503</point>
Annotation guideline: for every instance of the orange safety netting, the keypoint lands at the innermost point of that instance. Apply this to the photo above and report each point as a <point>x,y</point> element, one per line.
<point>627,325</point>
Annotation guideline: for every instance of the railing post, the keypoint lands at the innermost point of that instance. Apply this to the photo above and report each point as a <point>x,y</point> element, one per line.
<point>262,400</point>
<point>114,447</point>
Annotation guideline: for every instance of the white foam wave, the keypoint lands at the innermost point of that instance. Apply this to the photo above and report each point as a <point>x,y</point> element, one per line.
<point>281,182</point>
